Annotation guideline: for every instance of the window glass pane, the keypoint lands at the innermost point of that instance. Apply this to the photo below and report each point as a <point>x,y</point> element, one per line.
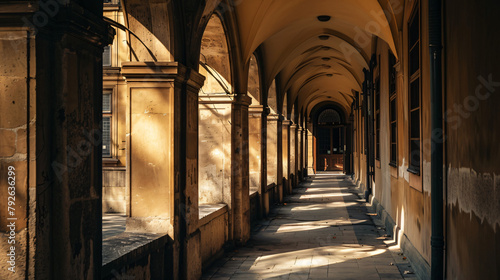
<point>329,116</point>
<point>336,146</point>
<point>415,154</point>
<point>393,110</point>
<point>393,133</point>
<point>106,136</point>
<point>323,141</point>
<point>393,153</point>
<point>415,124</point>
<point>106,102</point>
<point>106,56</point>
<point>392,74</point>
<point>415,94</point>
<point>414,28</point>
<point>414,59</point>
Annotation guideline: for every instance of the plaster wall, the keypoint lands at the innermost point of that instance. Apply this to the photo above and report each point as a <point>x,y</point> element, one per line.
<point>255,146</point>
<point>214,152</point>
<point>472,167</point>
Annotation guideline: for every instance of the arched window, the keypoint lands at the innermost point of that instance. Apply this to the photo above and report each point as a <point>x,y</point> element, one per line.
<point>329,116</point>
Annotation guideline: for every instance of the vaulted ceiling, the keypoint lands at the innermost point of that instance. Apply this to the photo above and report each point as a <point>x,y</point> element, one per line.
<point>317,48</point>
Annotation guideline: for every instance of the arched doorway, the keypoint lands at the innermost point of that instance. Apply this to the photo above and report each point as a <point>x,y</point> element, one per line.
<point>330,141</point>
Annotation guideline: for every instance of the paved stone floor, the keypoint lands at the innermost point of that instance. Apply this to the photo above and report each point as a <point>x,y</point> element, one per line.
<point>322,231</point>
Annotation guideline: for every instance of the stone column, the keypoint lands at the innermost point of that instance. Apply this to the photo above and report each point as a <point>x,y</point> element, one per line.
<point>293,156</point>
<point>50,106</point>
<point>274,158</point>
<point>257,155</point>
<point>286,156</point>
<point>310,150</point>
<point>240,168</point>
<point>162,129</point>
<point>300,144</point>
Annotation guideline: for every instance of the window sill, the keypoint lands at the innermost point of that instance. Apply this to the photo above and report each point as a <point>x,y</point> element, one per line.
<point>393,164</point>
<point>414,171</point>
<point>110,160</point>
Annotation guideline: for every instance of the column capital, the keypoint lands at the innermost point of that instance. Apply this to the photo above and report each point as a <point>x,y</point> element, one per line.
<point>155,72</point>
<point>256,109</point>
<point>216,99</point>
<point>287,122</point>
<point>294,126</point>
<point>242,99</point>
<point>275,117</point>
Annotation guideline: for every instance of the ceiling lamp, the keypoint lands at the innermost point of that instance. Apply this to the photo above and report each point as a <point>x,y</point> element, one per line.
<point>324,18</point>
<point>329,75</point>
<point>324,37</point>
<point>326,59</point>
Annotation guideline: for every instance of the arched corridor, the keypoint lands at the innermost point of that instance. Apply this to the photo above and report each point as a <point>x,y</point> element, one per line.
<point>149,139</point>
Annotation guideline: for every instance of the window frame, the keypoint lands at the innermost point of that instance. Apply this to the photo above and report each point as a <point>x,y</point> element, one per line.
<point>415,77</point>
<point>109,114</point>
<point>393,114</point>
<point>376,111</point>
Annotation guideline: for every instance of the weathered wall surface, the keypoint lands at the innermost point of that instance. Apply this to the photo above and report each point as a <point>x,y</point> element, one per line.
<point>404,195</point>
<point>15,128</point>
<point>214,234</point>
<point>255,146</point>
<point>472,148</point>
<point>114,193</point>
<point>214,153</point>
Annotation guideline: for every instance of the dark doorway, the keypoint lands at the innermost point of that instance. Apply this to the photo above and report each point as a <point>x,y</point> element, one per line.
<point>330,151</point>
<point>330,141</point>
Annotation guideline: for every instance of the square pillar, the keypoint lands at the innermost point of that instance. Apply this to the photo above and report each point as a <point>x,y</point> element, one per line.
<point>50,104</point>
<point>274,157</point>
<point>293,156</point>
<point>240,168</point>
<point>301,148</point>
<point>311,142</point>
<point>256,115</point>
<point>162,167</point>
<point>286,155</point>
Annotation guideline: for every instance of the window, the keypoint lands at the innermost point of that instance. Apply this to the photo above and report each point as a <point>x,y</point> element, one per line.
<point>106,123</point>
<point>362,118</point>
<point>414,90</point>
<point>329,116</point>
<point>377,119</point>
<point>393,113</point>
<point>106,56</point>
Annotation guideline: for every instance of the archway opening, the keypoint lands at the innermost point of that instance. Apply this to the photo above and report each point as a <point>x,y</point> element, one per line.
<point>331,141</point>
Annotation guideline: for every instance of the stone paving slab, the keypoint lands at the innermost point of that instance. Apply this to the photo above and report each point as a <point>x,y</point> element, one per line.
<point>323,231</point>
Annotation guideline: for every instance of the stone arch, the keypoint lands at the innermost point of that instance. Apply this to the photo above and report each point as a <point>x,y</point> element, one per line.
<point>152,31</point>
<point>214,58</point>
<point>254,81</point>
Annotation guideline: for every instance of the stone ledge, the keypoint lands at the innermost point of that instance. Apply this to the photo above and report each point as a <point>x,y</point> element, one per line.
<point>254,194</point>
<point>128,247</point>
<point>209,212</point>
<point>271,186</point>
